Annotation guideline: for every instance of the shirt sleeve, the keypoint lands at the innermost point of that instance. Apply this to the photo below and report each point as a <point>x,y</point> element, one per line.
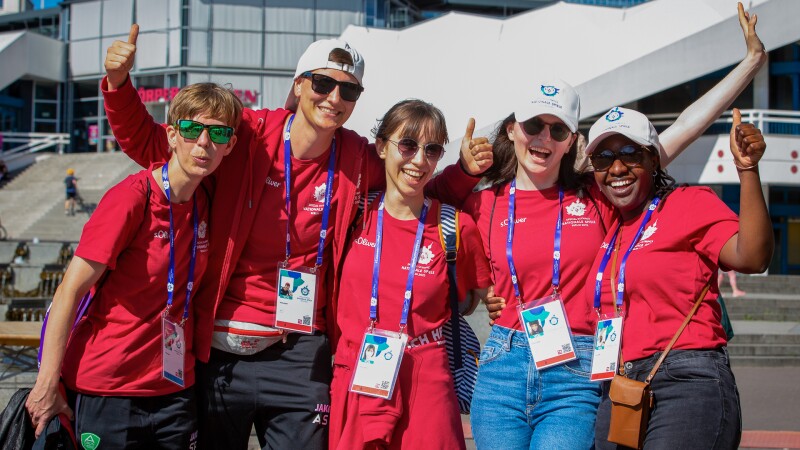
<point>709,221</point>
<point>472,267</point>
<point>114,223</point>
<point>139,136</point>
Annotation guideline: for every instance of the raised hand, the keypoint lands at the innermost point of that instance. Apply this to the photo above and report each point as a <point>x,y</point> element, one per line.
<point>476,154</point>
<point>748,23</point>
<point>120,58</point>
<point>747,143</point>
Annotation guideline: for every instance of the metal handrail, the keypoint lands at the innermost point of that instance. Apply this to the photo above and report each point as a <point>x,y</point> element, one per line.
<point>34,142</point>
<point>761,118</point>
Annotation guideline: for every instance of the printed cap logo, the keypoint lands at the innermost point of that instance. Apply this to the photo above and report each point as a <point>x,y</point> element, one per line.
<point>550,91</point>
<point>90,441</point>
<point>614,115</point>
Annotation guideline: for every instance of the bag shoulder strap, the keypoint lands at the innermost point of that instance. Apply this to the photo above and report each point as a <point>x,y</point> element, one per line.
<point>449,234</point>
<point>678,334</point>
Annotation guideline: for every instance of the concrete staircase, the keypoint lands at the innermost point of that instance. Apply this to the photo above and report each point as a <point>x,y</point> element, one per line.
<point>32,204</point>
<point>766,321</point>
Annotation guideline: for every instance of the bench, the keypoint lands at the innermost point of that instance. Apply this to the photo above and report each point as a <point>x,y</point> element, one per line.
<point>19,344</point>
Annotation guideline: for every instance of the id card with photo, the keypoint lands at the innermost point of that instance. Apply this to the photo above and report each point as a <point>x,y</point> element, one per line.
<point>378,363</point>
<point>547,330</point>
<point>296,299</point>
<point>605,356</point>
<point>173,349</point>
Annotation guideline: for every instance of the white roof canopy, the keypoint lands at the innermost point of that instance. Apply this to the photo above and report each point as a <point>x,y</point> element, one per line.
<point>474,66</point>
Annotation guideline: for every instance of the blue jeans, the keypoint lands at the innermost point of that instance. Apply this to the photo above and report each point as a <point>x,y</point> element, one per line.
<point>696,402</point>
<point>515,406</point>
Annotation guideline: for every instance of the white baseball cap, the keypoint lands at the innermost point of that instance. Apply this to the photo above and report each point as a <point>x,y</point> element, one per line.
<point>627,122</point>
<point>551,96</point>
<point>317,56</point>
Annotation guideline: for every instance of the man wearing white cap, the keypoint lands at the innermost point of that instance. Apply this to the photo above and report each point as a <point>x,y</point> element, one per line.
<point>281,205</point>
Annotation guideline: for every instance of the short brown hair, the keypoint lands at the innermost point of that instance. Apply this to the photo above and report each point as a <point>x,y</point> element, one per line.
<point>209,99</point>
<point>340,56</point>
<point>414,118</point>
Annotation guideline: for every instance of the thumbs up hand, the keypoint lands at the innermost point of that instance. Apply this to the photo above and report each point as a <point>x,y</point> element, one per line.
<point>747,143</point>
<point>476,154</point>
<point>120,58</point>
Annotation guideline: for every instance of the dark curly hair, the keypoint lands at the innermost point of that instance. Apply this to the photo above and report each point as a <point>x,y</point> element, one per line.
<point>504,167</point>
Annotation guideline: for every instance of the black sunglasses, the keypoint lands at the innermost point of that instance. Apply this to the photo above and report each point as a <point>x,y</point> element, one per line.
<point>558,131</point>
<point>408,149</point>
<point>190,129</point>
<point>630,155</point>
<point>324,85</point>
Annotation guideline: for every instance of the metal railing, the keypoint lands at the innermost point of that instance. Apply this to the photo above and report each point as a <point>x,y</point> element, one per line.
<point>769,121</point>
<point>34,142</point>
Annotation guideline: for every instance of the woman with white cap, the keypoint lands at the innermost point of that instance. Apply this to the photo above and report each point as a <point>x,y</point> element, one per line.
<point>534,390</point>
<point>665,249</point>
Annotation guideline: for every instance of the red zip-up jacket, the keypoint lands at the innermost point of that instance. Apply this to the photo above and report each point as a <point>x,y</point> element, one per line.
<point>235,195</point>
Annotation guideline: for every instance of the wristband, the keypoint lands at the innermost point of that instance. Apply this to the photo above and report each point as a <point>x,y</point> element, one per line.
<point>744,167</point>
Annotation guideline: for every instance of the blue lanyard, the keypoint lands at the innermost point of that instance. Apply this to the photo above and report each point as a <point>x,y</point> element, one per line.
<point>512,193</point>
<point>287,170</point>
<point>598,283</point>
<point>171,273</point>
<point>412,267</point>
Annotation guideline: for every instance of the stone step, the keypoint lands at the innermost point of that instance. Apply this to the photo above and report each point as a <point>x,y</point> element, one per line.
<point>772,307</point>
<point>788,350</point>
<point>765,361</point>
<point>773,284</point>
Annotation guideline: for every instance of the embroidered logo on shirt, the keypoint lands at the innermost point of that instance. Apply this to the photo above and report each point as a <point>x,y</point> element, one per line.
<point>425,254</point>
<point>90,441</point>
<point>364,242</point>
<point>576,208</point>
<point>201,229</point>
<point>273,183</point>
<point>319,193</point>
<point>646,235</point>
<point>161,234</point>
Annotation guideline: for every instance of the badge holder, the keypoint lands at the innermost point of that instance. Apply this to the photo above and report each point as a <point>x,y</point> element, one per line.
<point>607,341</point>
<point>173,349</point>
<point>295,306</point>
<point>378,363</point>
<point>547,330</point>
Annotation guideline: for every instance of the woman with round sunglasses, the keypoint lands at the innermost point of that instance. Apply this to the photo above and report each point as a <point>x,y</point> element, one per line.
<point>394,280</point>
<point>665,250</point>
<point>537,192</point>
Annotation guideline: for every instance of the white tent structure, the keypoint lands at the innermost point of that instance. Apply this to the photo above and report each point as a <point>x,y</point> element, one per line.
<point>473,66</point>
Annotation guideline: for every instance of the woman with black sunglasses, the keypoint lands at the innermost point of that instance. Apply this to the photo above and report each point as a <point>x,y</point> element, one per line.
<point>665,250</point>
<point>535,390</point>
<point>394,286</point>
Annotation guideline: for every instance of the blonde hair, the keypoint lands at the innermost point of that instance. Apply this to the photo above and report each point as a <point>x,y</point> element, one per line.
<point>209,99</point>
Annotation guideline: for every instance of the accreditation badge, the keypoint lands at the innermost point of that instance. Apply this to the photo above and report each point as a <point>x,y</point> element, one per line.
<point>547,330</point>
<point>607,339</point>
<point>296,299</point>
<point>173,349</point>
<point>378,363</point>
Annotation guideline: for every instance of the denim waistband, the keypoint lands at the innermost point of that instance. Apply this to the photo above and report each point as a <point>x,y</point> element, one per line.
<point>646,364</point>
<point>510,336</point>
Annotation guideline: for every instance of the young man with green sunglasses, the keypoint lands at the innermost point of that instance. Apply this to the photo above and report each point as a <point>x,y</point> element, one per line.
<point>282,203</point>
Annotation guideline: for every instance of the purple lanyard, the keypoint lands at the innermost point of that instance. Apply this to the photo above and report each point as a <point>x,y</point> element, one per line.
<point>598,283</point>
<point>326,210</point>
<point>512,192</point>
<point>412,267</point>
<point>171,273</point>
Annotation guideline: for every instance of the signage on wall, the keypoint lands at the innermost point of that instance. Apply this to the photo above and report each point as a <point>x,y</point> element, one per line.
<point>159,95</point>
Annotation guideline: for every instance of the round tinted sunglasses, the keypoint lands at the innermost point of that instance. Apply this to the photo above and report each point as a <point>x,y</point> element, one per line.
<point>409,147</point>
<point>558,131</point>
<point>324,85</point>
<point>630,155</point>
<point>190,129</point>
